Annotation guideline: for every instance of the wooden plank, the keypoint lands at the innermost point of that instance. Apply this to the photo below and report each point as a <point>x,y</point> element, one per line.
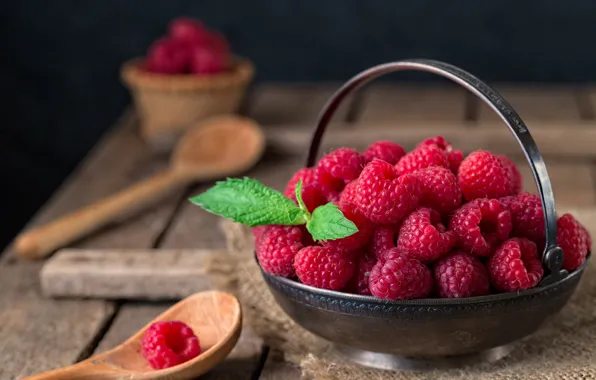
<point>132,274</point>
<point>283,103</point>
<point>572,182</point>
<point>276,368</point>
<point>239,365</point>
<point>553,139</point>
<point>537,104</point>
<point>400,105</point>
<point>44,334</point>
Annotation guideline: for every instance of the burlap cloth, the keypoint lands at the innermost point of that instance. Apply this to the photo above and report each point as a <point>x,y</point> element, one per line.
<point>564,348</point>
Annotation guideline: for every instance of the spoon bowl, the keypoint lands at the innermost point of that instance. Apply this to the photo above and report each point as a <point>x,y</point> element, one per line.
<point>214,316</point>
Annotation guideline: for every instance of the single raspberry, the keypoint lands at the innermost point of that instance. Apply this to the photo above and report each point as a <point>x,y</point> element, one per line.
<point>277,247</point>
<point>423,236</point>
<point>392,253</point>
<point>324,268</point>
<point>312,197</point>
<point>307,175</point>
<point>384,237</point>
<point>349,193</point>
<point>358,284</point>
<point>387,151</point>
<point>482,175</point>
<point>461,275</point>
<point>169,343</point>
<point>359,239</point>
<point>330,187</point>
<point>401,277</point>
<point>440,189</point>
<point>515,266</point>
<point>383,196</point>
<point>422,157</point>
<point>167,56</point>
<point>572,239</point>
<point>527,217</point>
<point>343,163</point>
<point>455,159</point>
<point>518,181</point>
<point>439,141</point>
<point>481,225</point>
<point>188,30</point>
<point>206,61</point>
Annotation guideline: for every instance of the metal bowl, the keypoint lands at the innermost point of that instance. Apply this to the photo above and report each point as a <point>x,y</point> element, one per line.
<point>431,333</point>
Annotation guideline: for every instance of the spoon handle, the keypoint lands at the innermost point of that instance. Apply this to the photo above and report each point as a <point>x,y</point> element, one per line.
<point>39,242</point>
<point>86,370</point>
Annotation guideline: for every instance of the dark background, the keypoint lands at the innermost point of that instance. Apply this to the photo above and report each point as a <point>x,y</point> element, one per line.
<point>59,63</point>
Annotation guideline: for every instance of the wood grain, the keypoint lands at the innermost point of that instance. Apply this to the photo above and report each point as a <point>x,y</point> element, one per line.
<point>537,104</point>
<point>46,334</point>
<point>133,274</point>
<point>283,103</point>
<point>553,139</point>
<point>400,105</point>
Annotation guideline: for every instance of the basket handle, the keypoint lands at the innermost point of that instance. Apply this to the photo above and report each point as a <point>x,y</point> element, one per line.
<point>552,257</point>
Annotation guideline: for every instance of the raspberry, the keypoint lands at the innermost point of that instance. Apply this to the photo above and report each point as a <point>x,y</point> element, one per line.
<point>358,284</point>
<point>324,268</point>
<point>481,225</point>
<point>257,232</point>
<point>343,163</point>
<point>307,175</point>
<point>461,275</point>
<point>401,277</point>
<point>482,175</point>
<point>422,157</point>
<point>359,239</point>
<point>588,237</point>
<point>423,236</point>
<point>169,343</point>
<point>572,239</point>
<point>329,186</point>
<point>348,195</point>
<point>455,159</point>
<point>312,197</point>
<point>167,56</point>
<point>515,266</point>
<point>383,196</point>
<point>516,176</point>
<point>387,151</point>
<point>392,254</point>
<point>207,61</point>
<point>527,217</point>
<point>440,189</point>
<point>440,141</point>
<point>383,238</point>
<point>277,247</point>
<point>188,30</point>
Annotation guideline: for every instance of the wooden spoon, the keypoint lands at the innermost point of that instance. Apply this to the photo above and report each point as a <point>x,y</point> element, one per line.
<point>217,148</point>
<point>216,319</point>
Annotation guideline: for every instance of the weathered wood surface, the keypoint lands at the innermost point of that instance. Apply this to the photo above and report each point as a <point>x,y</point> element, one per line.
<point>288,115</point>
<point>132,274</point>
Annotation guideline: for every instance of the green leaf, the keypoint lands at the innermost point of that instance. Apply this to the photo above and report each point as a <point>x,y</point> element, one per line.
<point>329,223</point>
<point>249,202</point>
<point>301,203</point>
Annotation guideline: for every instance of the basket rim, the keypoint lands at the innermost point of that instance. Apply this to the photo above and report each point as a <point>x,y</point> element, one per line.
<point>134,77</point>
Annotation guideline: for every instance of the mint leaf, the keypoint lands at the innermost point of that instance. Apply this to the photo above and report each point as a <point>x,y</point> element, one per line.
<point>249,202</point>
<point>301,204</point>
<point>329,223</point>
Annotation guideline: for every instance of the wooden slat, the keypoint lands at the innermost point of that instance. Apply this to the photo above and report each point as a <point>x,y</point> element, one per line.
<point>537,104</point>
<point>240,364</point>
<point>132,274</point>
<point>42,333</point>
<point>396,105</point>
<point>572,182</point>
<point>273,104</point>
<point>553,139</point>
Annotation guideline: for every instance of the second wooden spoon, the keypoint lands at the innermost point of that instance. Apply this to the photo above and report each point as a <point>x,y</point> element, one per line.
<point>221,147</point>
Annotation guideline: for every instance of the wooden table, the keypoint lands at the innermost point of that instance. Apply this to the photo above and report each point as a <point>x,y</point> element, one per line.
<point>38,334</point>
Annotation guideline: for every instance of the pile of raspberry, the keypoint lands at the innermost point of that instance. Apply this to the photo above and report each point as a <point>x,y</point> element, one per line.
<point>431,223</point>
